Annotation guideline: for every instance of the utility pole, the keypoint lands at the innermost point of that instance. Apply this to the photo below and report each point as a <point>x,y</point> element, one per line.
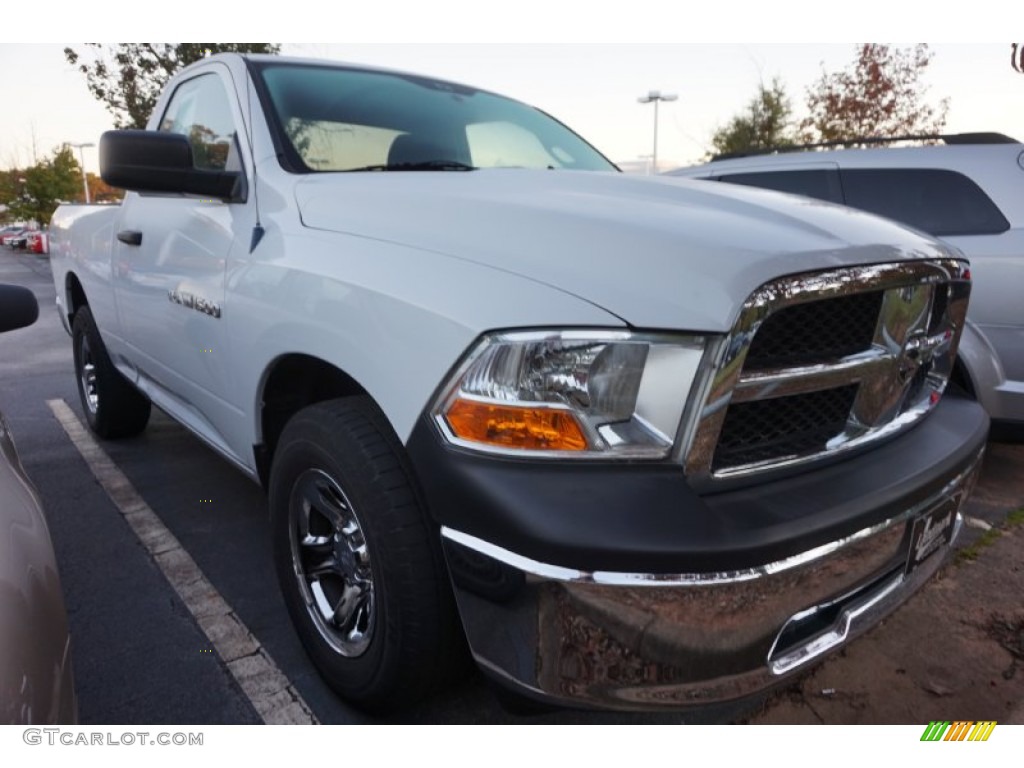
<point>81,157</point>
<point>656,96</point>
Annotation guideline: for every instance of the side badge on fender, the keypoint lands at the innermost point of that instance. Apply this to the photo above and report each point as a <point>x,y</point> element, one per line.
<point>192,301</point>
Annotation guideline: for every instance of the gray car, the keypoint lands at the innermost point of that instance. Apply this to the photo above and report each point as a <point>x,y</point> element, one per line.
<point>36,681</point>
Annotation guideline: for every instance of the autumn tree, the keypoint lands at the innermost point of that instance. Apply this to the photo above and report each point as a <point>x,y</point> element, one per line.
<point>765,122</point>
<point>101,192</point>
<point>47,183</point>
<point>128,77</point>
<point>881,94</point>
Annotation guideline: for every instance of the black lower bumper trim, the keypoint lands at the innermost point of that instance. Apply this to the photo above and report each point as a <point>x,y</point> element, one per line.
<point>645,517</point>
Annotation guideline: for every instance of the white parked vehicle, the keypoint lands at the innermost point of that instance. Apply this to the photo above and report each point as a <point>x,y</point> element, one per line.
<point>655,443</point>
<point>966,191</point>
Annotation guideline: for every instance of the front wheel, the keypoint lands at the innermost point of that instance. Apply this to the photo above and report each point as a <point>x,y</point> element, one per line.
<point>113,407</point>
<point>358,560</point>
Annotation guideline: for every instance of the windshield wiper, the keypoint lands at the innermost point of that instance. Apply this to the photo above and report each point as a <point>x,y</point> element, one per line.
<point>426,165</point>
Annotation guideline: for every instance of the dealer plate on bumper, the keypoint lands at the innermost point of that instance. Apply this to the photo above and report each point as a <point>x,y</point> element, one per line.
<point>933,531</point>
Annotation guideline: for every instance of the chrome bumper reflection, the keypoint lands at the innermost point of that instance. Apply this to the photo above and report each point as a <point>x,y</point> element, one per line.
<point>642,641</point>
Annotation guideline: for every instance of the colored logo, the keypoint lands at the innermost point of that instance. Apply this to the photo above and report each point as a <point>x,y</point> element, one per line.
<point>958,730</point>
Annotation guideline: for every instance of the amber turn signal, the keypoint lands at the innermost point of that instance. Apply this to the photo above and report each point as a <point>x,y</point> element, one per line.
<point>507,426</point>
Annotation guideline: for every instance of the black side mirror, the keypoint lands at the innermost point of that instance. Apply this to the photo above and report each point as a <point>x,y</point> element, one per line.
<point>18,307</point>
<point>154,161</point>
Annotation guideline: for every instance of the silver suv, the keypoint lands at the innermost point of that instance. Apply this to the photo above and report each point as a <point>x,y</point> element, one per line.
<point>968,191</point>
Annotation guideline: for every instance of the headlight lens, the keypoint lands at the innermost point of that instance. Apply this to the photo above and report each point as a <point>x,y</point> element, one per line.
<point>571,393</point>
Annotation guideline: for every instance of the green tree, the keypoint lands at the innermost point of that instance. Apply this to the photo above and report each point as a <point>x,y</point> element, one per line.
<point>47,183</point>
<point>128,77</point>
<point>9,189</point>
<point>881,94</point>
<point>764,123</point>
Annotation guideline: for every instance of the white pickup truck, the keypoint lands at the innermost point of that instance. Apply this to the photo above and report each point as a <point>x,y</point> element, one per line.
<point>656,443</point>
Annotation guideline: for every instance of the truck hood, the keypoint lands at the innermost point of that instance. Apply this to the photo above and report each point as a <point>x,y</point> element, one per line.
<point>657,252</point>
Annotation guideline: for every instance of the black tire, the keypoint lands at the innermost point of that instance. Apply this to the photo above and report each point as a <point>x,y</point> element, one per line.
<point>341,483</point>
<point>113,407</point>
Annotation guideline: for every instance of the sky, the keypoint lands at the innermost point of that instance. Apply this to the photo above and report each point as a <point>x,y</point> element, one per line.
<point>591,86</point>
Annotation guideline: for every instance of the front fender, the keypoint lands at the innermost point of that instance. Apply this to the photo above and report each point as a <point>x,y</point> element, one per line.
<point>393,318</point>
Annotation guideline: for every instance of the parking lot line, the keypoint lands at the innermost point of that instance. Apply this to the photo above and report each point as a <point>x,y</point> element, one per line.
<point>271,693</point>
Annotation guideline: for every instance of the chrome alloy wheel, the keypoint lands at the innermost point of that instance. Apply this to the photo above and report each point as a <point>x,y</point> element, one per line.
<point>87,378</point>
<point>331,562</point>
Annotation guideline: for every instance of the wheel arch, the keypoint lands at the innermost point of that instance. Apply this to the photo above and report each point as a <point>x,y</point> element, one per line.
<point>961,378</point>
<point>74,295</point>
<point>290,383</point>
<point>978,368</point>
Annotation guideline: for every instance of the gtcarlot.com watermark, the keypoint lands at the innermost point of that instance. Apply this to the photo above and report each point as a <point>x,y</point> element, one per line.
<point>75,738</point>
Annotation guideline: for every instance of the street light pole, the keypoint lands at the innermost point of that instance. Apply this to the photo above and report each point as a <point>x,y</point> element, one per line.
<point>656,96</point>
<point>81,157</point>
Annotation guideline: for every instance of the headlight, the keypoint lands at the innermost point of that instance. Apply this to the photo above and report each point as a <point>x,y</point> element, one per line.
<point>588,394</point>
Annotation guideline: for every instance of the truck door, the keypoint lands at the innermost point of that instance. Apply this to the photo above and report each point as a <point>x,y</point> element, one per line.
<point>170,260</point>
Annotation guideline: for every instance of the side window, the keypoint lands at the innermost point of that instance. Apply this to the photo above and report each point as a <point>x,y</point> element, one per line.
<point>936,201</point>
<point>821,184</point>
<point>199,109</point>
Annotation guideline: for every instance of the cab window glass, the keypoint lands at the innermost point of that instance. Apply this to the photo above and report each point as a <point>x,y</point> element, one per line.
<point>326,145</point>
<point>200,110</point>
<point>935,201</point>
<point>340,119</point>
<point>506,145</point>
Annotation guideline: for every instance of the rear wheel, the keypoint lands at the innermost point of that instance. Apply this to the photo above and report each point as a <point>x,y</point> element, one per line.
<point>358,560</point>
<point>113,407</point>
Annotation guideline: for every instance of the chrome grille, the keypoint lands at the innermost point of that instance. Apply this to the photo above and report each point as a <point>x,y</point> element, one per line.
<point>762,430</point>
<point>818,330</point>
<point>822,363</point>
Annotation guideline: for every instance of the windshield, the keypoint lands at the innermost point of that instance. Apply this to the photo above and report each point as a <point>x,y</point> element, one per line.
<point>341,119</point>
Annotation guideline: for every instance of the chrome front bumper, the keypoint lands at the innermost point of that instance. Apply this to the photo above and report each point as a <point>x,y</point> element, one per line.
<point>643,641</point>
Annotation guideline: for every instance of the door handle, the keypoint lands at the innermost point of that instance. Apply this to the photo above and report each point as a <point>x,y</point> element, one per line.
<point>130,237</point>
